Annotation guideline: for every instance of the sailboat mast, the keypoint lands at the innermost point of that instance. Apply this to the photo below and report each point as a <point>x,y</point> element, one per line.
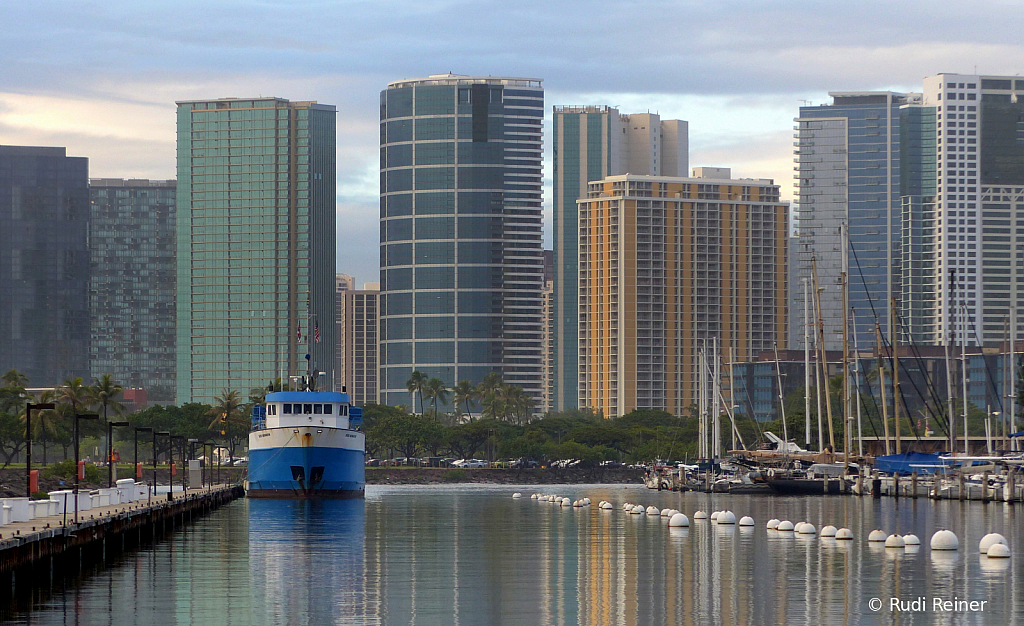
<point>881,385</point>
<point>807,368</point>
<point>782,402</point>
<point>1013,375</point>
<point>824,357</point>
<point>893,341</point>
<point>856,374</point>
<point>846,350</point>
<point>950,339</point>
<point>716,411</point>
<point>963,369</point>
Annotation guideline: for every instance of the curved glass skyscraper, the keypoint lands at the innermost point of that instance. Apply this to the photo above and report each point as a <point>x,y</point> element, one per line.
<point>460,253</point>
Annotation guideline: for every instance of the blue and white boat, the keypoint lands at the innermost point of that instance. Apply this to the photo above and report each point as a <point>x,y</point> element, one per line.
<point>307,444</point>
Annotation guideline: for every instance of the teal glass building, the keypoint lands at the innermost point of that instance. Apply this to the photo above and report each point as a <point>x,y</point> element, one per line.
<point>461,258</point>
<point>256,243</point>
<point>131,283</point>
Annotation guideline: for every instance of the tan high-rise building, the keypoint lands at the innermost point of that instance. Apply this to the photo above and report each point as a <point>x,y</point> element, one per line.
<point>667,264</point>
<point>358,362</point>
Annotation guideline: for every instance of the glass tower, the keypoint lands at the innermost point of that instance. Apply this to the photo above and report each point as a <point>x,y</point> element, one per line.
<point>461,258</point>
<point>132,274</point>
<point>256,244</point>
<point>44,264</point>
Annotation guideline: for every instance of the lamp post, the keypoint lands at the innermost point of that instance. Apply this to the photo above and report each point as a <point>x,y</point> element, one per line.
<point>85,416</point>
<point>42,406</point>
<point>170,483</point>
<point>181,439</point>
<point>110,450</point>
<point>208,465</point>
<point>144,429</point>
<point>192,453</point>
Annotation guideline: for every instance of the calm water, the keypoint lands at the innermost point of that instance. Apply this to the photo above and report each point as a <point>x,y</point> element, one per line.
<point>471,555</point>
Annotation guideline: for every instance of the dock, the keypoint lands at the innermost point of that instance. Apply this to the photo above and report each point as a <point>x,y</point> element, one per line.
<point>52,545</point>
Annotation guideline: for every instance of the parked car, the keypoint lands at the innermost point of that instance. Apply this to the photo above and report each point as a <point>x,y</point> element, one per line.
<point>611,464</point>
<point>372,462</point>
<point>524,463</point>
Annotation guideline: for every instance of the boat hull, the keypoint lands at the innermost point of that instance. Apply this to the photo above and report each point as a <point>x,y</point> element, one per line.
<point>807,486</point>
<point>306,463</point>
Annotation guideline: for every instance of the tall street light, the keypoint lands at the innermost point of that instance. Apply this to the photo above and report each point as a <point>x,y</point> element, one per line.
<point>135,459</point>
<point>181,439</point>
<point>42,406</point>
<point>110,450</point>
<point>78,469</point>
<point>170,483</point>
<point>192,452</point>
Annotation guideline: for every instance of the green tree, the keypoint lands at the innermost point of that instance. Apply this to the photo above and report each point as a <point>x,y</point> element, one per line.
<point>488,393</point>
<point>435,390</point>
<point>463,394</point>
<point>228,419</point>
<point>416,383</point>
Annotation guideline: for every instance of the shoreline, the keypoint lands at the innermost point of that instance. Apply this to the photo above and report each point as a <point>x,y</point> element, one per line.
<point>547,476</point>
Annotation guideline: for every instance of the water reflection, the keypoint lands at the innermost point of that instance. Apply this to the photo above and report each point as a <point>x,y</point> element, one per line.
<point>470,555</point>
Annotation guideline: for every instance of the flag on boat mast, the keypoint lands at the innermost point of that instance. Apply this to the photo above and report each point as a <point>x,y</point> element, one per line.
<point>316,330</point>
<point>298,330</point>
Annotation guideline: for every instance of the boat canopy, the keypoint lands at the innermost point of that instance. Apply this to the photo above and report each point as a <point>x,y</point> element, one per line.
<point>909,462</point>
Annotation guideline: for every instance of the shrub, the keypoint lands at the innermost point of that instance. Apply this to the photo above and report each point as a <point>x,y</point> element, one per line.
<point>66,470</point>
<point>455,476</point>
<point>41,495</point>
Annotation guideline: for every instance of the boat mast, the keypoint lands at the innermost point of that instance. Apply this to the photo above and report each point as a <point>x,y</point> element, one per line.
<point>817,380</point>
<point>701,404</point>
<point>846,349</point>
<point>1013,376</point>
<point>894,341</point>
<point>782,402</point>
<point>807,368</point>
<point>856,374</point>
<point>950,339</point>
<point>717,412</point>
<point>732,394</point>
<point>963,367</point>
<point>881,385</point>
<point>824,357</point>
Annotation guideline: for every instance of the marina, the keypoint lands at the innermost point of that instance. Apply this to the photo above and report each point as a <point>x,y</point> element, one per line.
<point>474,554</point>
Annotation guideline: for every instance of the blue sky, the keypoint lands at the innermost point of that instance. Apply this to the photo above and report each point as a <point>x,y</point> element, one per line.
<point>101,77</point>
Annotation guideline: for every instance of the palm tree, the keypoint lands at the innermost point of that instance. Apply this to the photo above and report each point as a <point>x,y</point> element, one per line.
<point>226,411</point>
<point>462,394</point>
<point>487,392</point>
<point>415,385</point>
<point>104,393</point>
<point>74,393</point>
<point>14,378</point>
<point>436,391</point>
<point>46,421</point>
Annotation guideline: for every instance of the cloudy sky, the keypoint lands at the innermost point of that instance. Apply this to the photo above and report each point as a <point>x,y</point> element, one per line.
<point>101,77</point>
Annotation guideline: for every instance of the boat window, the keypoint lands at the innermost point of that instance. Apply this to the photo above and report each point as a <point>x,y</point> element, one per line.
<point>272,409</point>
<point>328,409</point>
<point>287,408</point>
<point>307,408</point>
<point>318,409</point>
<point>344,410</point>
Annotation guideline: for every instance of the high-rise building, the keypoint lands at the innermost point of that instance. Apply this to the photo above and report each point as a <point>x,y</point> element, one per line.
<point>256,243</point>
<point>44,264</point>
<point>670,267</point>
<point>132,283</point>
<point>358,343</point>
<point>591,143</point>
<point>461,259</point>
<point>849,162</point>
<point>977,214</point>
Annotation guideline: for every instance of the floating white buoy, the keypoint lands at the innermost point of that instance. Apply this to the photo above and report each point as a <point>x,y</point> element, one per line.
<point>533,497</point>
<point>700,515</point>
<point>586,501</point>
<point>726,517</point>
<point>637,510</point>
<point>566,502</point>
<point>578,503</point>
<point>844,533</point>
<point>627,507</point>
<point>807,528</point>
<point>877,535</point>
<point>911,540</point>
<point>679,520</point>
<point>653,510</point>
<point>895,541</point>
<point>773,524</point>
<point>828,531</point>
<point>999,551</point>
<point>607,506</point>
<point>746,520</point>
<point>714,516</point>
<point>517,495</point>
<point>990,540</point>
<point>945,540</point>
<point>785,525</point>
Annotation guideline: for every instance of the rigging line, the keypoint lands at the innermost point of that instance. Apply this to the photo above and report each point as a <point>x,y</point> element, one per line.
<point>988,370</point>
<point>903,398</point>
<point>929,384</point>
<point>874,403</point>
<point>860,271</point>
